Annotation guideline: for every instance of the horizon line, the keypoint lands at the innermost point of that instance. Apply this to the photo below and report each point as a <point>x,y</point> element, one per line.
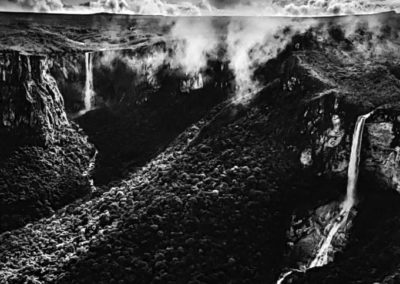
<point>198,16</point>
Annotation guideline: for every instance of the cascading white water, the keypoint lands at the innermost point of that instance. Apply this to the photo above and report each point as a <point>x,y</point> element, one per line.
<point>283,277</point>
<point>353,169</point>
<point>352,177</point>
<point>322,256</point>
<point>89,93</point>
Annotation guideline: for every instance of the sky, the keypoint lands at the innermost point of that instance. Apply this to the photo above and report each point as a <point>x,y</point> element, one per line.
<point>206,7</point>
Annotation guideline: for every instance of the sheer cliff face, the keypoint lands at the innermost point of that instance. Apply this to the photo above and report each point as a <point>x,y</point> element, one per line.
<point>31,106</point>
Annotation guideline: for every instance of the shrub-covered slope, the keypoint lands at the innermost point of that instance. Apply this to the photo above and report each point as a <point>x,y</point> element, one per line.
<point>36,180</point>
<point>208,211</point>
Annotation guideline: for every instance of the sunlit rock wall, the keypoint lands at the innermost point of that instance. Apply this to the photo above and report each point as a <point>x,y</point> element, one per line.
<point>31,106</point>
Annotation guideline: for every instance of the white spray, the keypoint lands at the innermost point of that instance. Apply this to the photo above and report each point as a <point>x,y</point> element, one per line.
<point>89,93</point>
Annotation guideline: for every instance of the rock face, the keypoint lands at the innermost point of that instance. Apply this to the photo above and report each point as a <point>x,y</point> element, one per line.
<point>43,156</point>
<point>383,152</point>
<point>31,106</point>
<point>329,124</point>
<point>327,133</point>
<point>330,92</point>
<point>329,109</point>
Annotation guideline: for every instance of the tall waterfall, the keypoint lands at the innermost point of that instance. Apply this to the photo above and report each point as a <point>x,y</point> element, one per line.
<point>352,178</point>
<point>353,169</point>
<point>89,93</point>
<point>322,256</point>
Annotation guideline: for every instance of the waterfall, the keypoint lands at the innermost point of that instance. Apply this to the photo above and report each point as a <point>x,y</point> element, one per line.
<point>89,93</point>
<point>198,82</point>
<point>353,169</point>
<point>322,257</point>
<point>352,177</point>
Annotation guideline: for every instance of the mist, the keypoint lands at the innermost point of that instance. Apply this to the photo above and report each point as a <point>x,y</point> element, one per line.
<point>246,44</point>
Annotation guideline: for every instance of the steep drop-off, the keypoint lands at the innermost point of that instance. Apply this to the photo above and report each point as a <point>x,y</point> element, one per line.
<point>347,83</point>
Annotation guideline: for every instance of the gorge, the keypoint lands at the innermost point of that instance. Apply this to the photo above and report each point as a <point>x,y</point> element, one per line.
<point>144,149</point>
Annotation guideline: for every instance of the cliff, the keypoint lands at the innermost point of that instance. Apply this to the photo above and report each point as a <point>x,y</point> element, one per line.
<point>325,89</point>
<point>328,93</point>
<point>44,156</point>
<point>31,106</point>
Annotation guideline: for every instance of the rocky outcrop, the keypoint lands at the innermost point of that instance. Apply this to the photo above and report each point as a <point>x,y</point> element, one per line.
<point>382,159</point>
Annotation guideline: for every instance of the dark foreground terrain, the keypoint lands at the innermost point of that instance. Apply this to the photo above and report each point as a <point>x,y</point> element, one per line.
<point>195,186</point>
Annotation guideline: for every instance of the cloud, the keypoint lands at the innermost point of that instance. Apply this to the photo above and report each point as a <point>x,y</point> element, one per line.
<point>217,7</point>
<point>337,7</point>
<point>194,42</point>
<point>114,6</point>
<point>251,42</point>
<point>302,7</point>
<point>151,7</point>
<point>36,5</point>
